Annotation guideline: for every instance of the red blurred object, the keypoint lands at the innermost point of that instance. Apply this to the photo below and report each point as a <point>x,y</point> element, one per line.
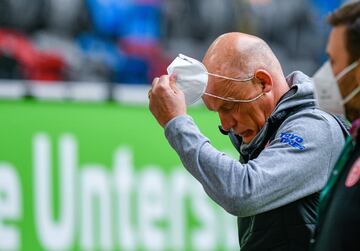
<point>34,64</point>
<point>151,51</point>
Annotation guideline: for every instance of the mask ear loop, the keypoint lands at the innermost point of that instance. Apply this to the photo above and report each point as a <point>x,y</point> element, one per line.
<point>236,100</point>
<point>232,99</point>
<point>351,95</point>
<point>346,70</point>
<point>232,79</point>
<point>192,61</point>
<point>341,75</point>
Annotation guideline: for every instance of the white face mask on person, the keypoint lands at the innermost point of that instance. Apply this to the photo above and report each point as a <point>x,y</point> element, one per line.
<point>327,91</point>
<point>192,79</point>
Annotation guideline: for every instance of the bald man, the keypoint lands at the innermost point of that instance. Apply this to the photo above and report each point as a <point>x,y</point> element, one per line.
<point>287,146</point>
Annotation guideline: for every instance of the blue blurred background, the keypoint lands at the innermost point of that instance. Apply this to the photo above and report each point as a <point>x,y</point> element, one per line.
<point>132,41</point>
<point>100,175</point>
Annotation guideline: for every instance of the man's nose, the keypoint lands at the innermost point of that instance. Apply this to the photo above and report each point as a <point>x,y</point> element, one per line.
<point>227,122</point>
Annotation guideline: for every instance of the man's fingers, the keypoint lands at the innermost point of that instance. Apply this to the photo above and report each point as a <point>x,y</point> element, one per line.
<point>154,82</point>
<point>173,82</point>
<point>164,101</point>
<point>161,84</point>
<point>164,84</point>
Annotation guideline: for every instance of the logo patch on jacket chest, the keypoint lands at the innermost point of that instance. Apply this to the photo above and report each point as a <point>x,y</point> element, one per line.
<point>292,140</point>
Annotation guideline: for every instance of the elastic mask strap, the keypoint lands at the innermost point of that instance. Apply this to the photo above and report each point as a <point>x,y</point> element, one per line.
<point>346,70</point>
<point>236,100</point>
<point>351,95</point>
<point>194,61</point>
<point>233,79</point>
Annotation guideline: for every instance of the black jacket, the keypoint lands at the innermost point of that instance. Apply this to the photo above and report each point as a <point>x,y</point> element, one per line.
<point>287,228</point>
<point>339,217</point>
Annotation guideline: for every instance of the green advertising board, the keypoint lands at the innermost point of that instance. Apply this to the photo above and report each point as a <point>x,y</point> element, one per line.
<point>82,176</point>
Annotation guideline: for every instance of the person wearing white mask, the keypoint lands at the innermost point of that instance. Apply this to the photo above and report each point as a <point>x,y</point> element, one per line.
<point>287,145</point>
<point>337,86</point>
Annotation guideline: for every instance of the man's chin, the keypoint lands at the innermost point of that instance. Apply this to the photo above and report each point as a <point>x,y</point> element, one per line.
<point>247,139</point>
<point>246,136</point>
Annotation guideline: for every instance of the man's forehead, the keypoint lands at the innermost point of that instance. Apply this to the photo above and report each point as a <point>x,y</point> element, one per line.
<point>220,67</point>
<point>218,86</point>
<point>226,89</point>
<point>211,103</point>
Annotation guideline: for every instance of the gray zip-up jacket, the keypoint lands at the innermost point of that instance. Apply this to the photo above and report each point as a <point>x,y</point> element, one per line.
<point>293,166</point>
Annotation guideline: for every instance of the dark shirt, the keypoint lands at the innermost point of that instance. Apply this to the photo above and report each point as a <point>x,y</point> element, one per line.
<point>339,213</point>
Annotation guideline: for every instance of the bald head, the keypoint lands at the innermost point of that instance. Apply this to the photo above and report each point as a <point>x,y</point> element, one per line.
<point>241,56</point>
<point>241,53</point>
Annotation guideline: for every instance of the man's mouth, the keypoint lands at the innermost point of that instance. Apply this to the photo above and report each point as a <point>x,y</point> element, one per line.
<point>245,133</point>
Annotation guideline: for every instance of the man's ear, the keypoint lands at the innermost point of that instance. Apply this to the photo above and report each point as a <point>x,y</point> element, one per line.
<point>265,80</point>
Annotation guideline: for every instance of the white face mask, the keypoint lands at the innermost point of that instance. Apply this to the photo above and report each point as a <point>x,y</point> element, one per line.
<point>327,92</point>
<point>192,79</point>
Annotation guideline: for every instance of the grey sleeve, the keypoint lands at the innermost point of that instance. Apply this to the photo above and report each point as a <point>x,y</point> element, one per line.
<point>282,173</point>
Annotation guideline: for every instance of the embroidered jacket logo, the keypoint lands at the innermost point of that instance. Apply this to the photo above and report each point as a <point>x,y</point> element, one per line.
<point>292,140</point>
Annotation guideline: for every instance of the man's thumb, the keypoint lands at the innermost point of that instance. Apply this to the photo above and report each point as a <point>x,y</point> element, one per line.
<point>173,82</point>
